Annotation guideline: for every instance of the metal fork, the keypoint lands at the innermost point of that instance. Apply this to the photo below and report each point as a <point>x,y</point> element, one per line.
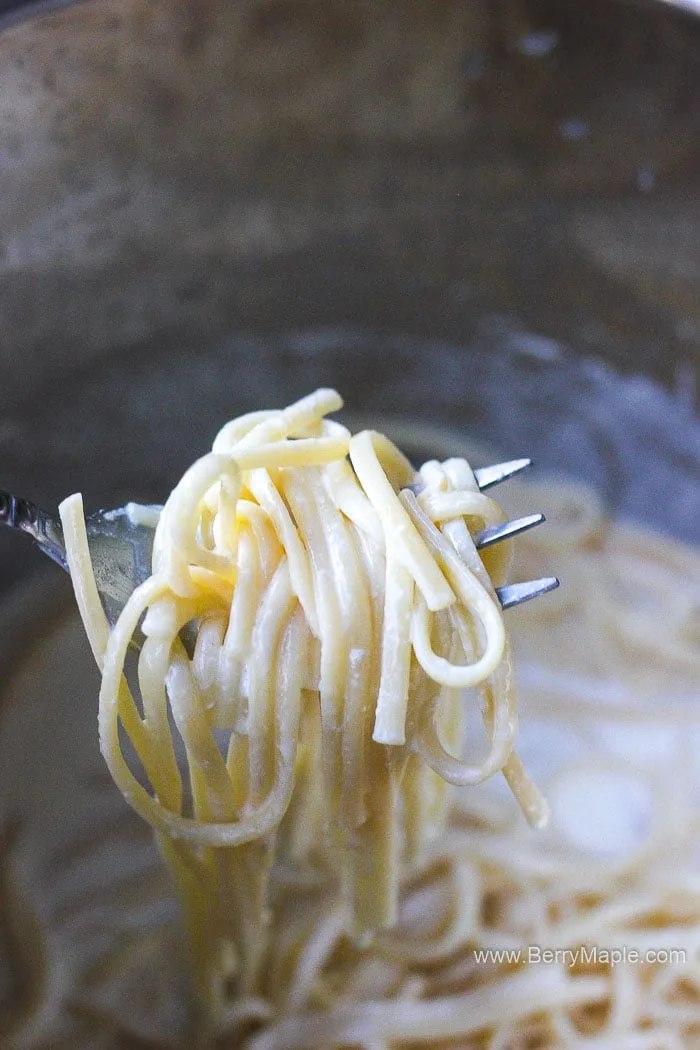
<point>121,550</point>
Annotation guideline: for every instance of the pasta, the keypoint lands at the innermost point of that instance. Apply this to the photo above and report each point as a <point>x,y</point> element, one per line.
<point>332,605</point>
<point>336,882</point>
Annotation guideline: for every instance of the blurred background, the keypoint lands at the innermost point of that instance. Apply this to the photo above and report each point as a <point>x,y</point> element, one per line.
<point>478,214</point>
<point>478,219</point>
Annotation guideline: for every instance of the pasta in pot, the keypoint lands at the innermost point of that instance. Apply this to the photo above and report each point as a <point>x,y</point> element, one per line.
<point>339,891</point>
<point>338,619</point>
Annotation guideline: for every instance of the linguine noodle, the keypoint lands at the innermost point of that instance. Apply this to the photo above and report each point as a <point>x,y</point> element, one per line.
<point>338,618</point>
<point>302,765</point>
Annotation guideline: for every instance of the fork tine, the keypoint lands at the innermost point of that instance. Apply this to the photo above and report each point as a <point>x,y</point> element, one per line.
<point>488,476</point>
<point>506,529</point>
<point>516,593</point>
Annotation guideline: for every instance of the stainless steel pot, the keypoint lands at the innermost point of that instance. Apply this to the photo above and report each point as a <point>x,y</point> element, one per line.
<point>477,214</point>
<point>481,217</point>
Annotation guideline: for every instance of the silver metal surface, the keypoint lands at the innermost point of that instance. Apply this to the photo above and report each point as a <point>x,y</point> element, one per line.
<point>516,593</point>
<point>208,208</point>
<point>494,475</point>
<point>121,550</point>
<point>506,530</point>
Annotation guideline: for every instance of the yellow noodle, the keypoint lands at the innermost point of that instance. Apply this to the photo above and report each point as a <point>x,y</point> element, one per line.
<point>338,620</point>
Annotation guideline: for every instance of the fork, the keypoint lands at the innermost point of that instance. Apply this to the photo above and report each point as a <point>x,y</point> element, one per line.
<point>121,550</point>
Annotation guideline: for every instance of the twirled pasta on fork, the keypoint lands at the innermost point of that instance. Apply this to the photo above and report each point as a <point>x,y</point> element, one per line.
<point>341,608</point>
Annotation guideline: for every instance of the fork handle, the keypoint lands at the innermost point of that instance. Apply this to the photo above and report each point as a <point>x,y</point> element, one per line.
<point>44,529</point>
<point>16,512</point>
